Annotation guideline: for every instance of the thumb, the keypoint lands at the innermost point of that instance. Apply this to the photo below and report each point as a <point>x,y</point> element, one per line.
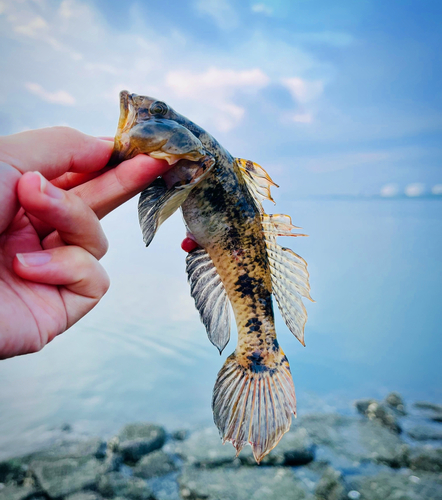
<point>9,178</point>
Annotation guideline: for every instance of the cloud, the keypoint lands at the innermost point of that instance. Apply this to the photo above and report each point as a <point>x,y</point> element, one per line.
<point>415,189</point>
<point>261,8</point>
<point>220,11</point>
<point>303,91</point>
<point>215,89</point>
<point>437,189</point>
<point>389,190</point>
<point>59,97</point>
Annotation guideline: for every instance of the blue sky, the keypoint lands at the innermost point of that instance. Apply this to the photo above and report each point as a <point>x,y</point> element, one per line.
<point>339,97</point>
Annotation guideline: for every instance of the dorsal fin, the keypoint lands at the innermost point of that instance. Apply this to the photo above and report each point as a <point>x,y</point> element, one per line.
<point>258,181</point>
<point>210,297</point>
<point>289,274</point>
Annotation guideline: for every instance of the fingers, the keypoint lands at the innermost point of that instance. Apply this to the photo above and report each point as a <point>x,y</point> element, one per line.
<point>54,151</point>
<point>117,185</point>
<point>75,223</point>
<point>9,178</point>
<point>83,279</point>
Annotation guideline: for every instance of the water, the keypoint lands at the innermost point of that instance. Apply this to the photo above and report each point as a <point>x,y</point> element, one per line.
<point>142,354</point>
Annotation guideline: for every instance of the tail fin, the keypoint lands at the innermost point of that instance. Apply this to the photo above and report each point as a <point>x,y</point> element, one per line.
<point>254,406</point>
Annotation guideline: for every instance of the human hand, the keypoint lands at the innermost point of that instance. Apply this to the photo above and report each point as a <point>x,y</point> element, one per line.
<point>54,188</point>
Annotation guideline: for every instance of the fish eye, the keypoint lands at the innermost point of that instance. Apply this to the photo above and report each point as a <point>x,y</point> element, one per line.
<point>159,108</point>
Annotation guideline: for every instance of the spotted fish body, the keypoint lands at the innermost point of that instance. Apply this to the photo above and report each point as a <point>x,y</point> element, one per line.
<point>238,263</point>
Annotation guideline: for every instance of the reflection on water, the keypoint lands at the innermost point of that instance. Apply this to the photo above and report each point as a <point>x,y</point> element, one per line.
<point>142,354</point>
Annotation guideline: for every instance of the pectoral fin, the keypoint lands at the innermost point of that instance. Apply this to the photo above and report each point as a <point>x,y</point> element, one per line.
<point>210,297</point>
<point>165,195</point>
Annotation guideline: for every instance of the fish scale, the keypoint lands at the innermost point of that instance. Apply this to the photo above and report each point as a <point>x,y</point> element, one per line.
<point>238,262</point>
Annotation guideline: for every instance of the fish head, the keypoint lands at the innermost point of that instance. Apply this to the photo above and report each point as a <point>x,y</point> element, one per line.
<point>147,126</point>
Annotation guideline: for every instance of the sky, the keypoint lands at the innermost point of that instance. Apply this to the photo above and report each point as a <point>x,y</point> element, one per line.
<point>338,100</point>
<point>332,98</point>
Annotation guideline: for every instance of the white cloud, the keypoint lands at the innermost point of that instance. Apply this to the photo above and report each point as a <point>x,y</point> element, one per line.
<point>437,189</point>
<point>303,91</point>
<point>58,97</point>
<point>220,11</point>
<point>389,190</point>
<point>261,8</point>
<point>302,118</point>
<point>215,90</point>
<point>415,189</point>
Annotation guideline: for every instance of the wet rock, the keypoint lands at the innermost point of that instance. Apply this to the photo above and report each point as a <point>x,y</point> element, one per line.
<point>378,412</point>
<point>204,449</point>
<point>59,477</point>
<point>423,405</point>
<point>90,448</point>
<point>394,400</point>
<point>84,495</point>
<point>295,448</point>
<point>112,463</point>
<point>13,492</point>
<point>153,465</point>
<point>180,434</point>
<point>137,440</point>
<point>117,484</point>
<point>424,433</point>
<point>12,471</point>
<point>352,441</point>
<point>244,483</point>
<point>330,486</point>
<point>396,485</point>
<point>426,459</point>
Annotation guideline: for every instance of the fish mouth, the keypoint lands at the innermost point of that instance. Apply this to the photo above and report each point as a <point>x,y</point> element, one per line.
<point>161,138</point>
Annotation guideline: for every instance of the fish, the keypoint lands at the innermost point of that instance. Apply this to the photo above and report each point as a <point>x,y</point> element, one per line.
<point>238,263</point>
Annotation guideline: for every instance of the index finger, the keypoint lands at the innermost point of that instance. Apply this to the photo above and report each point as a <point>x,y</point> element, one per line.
<point>54,151</point>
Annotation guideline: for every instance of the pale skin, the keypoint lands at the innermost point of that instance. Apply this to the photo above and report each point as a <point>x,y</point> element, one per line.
<point>54,189</point>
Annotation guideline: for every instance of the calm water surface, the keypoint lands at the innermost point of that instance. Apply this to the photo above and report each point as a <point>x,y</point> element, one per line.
<point>142,354</point>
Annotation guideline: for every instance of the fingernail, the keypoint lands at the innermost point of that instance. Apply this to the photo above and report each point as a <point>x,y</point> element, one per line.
<point>34,258</point>
<point>49,189</point>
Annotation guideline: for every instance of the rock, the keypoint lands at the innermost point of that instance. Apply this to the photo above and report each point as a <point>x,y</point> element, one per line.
<point>424,433</point>
<point>59,477</point>
<point>378,412</point>
<point>90,448</point>
<point>13,492</point>
<point>204,449</point>
<point>423,405</point>
<point>180,434</point>
<point>426,458</point>
<point>117,484</point>
<point>84,495</point>
<point>245,483</point>
<point>137,440</point>
<point>295,448</point>
<point>12,471</point>
<point>330,486</point>
<point>112,463</point>
<point>396,485</point>
<point>351,441</point>
<point>153,465</point>
<point>394,400</point>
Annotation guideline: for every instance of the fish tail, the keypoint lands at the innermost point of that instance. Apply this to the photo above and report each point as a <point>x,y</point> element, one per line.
<point>254,406</point>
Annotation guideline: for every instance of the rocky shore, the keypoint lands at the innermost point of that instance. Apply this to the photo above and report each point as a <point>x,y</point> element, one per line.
<point>384,451</point>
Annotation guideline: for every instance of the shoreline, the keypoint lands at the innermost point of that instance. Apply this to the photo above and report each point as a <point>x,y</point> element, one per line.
<point>386,447</point>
